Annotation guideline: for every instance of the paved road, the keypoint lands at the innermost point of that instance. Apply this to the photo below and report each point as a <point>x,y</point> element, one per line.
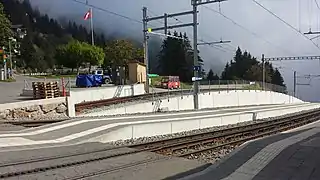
<point>10,91</point>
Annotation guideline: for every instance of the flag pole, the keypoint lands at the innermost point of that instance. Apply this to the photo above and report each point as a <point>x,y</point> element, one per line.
<point>91,25</point>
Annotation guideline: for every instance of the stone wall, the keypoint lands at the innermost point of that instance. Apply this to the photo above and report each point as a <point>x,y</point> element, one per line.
<point>46,109</point>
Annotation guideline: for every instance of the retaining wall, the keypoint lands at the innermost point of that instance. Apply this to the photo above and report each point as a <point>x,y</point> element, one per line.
<point>206,100</point>
<point>122,131</point>
<point>43,109</point>
<point>98,93</point>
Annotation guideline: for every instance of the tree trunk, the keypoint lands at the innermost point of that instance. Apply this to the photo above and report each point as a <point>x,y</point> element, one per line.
<point>78,67</point>
<point>89,68</point>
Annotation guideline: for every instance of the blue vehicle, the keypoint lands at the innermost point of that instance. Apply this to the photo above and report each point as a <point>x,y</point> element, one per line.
<point>106,78</point>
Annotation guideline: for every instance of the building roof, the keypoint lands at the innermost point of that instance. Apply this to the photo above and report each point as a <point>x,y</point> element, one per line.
<point>136,62</point>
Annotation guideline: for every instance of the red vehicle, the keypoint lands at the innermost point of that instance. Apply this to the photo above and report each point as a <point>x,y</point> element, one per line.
<point>170,82</point>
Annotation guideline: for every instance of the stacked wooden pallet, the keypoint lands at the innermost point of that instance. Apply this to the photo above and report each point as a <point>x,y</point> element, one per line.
<point>37,90</point>
<point>45,90</point>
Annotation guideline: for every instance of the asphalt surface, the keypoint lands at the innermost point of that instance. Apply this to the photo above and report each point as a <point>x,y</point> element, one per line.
<point>289,156</point>
<point>10,91</point>
<point>115,167</point>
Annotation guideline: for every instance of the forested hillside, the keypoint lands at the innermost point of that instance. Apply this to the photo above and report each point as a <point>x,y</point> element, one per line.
<point>48,44</point>
<point>45,35</point>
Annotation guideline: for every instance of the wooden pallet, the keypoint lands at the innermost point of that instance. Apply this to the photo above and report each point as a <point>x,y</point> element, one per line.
<point>45,90</point>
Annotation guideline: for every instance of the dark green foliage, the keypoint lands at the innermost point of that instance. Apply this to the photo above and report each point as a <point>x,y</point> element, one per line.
<point>75,53</point>
<point>212,76</point>
<point>38,49</point>
<point>176,57</point>
<point>5,27</point>
<point>244,66</point>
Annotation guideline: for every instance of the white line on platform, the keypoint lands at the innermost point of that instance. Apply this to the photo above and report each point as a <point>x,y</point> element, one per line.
<point>4,141</point>
<point>49,129</point>
<point>40,131</point>
<point>18,141</point>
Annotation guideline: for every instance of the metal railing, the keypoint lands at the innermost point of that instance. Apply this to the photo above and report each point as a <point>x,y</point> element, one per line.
<point>186,89</point>
<point>237,85</point>
<point>64,83</point>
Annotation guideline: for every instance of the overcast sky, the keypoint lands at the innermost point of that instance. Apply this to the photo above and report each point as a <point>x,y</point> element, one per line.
<point>264,34</point>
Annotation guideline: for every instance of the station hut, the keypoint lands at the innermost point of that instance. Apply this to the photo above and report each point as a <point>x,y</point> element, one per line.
<point>137,72</point>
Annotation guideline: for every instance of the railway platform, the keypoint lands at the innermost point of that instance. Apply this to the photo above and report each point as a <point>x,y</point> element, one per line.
<point>99,129</point>
<point>292,155</point>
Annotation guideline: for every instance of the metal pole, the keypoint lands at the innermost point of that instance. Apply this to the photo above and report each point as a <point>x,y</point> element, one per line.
<point>195,55</point>
<point>165,23</point>
<point>294,83</point>
<point>145,46</point>
<point>263,73</point>
<point>10,54</point>
<point>4,65</point>
<point>5,70</point>
<point>91,25</point>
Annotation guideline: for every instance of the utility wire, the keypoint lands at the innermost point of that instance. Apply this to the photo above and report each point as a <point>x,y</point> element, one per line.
<point>246,29</point>
<point>214,46</point>
<point>286,23</point>
<point>201,40</point>
<point>317,4</point>
<point>108,11</point>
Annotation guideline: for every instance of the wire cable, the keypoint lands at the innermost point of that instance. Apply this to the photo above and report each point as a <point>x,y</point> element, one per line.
<point>286,23</point>
<point>201,40</point>
<point>246,29</point>
<point>317,4</point>
<point>109,12</point>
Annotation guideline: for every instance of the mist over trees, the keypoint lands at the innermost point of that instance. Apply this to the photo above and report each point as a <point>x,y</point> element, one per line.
<point>48,44</point>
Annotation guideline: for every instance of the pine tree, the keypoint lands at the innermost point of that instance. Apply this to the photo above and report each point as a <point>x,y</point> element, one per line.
<point>244,66</point>
<point>176,57</point>
<point>210,75</point>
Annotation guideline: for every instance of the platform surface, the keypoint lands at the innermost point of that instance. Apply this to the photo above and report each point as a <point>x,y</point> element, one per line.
<point>292,155</point>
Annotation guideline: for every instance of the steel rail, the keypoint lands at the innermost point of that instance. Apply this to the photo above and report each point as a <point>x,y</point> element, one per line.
<point>149,146</point>
<point>250,137</point>
<point>101,172</point>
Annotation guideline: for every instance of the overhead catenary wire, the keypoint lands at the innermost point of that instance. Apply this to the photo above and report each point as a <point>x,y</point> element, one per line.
<point>116,14</point>
<point>224,49</point>
<point>246,29</point>
<point>108,11</point>
<point>317,4</point>
<point>285,22</point>
<point>220,48</point>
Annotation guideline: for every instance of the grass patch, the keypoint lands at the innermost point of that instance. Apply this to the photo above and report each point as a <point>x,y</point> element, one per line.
<point>156,82</point>
<point>252,87</point>
<point>185,85</point>
<point>9,80</point>
<point>55,76</point>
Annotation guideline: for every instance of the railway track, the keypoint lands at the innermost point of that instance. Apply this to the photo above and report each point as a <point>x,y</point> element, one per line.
<point>186,146</point>
<point>181,146</point>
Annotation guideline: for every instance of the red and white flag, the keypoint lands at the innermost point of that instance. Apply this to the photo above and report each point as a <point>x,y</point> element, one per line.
<point>88,15</point>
